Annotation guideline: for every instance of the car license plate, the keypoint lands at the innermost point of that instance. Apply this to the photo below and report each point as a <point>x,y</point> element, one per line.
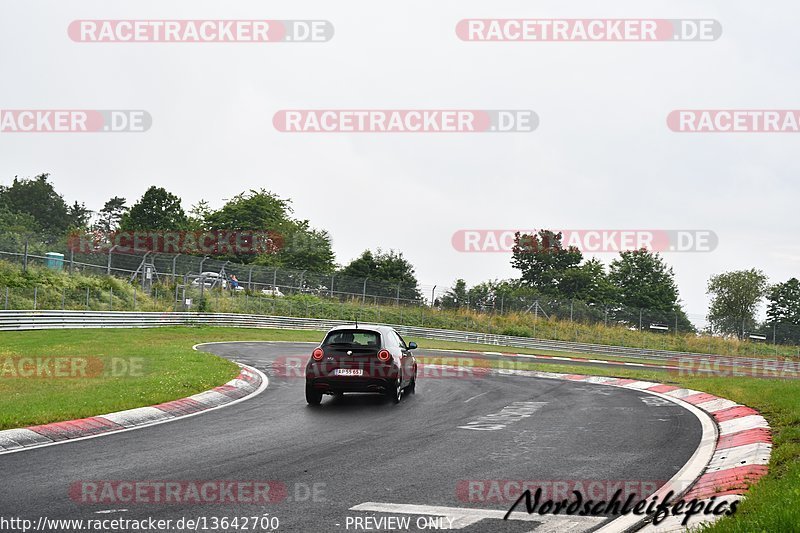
<point>348,372</point>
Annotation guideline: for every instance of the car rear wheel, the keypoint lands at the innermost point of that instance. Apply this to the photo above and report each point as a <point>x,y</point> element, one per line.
<point>396,392</point>
<point>313,397</point>
<point>412,387</point>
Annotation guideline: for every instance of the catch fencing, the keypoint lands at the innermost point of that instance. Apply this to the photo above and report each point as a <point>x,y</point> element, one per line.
<point>39,320</point>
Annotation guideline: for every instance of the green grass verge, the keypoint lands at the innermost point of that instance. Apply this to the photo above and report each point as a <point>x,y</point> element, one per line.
<point>174,370</point>
<point>166,368</point>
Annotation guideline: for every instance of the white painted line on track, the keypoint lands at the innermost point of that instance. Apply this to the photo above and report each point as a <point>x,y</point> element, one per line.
<point>476,396</point>
<point>464,517</point>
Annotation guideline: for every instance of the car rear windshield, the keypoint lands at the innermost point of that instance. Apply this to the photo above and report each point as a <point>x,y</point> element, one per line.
<point>353,337</point>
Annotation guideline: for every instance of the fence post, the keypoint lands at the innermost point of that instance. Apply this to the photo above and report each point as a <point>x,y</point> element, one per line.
<point>111,298</point>
<point>6,305</point>
<point>35,294</point>
<point>63,297</point>
<point>134,298</point>
<point>332,276</point>
<point>571,304</point>
<point>87,298</point>
<point>640,320</point>
<point>775,344</point>
<point>108,266</point>
<point>25,257</point>
<point>364,291</point>
<point>71,259</point>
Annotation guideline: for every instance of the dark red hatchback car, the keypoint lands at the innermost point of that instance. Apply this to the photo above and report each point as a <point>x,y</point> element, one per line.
<point>361,359</point>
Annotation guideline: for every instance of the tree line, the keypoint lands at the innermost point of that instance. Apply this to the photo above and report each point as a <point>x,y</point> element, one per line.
<point>550,274</point>
<point>33,207</point>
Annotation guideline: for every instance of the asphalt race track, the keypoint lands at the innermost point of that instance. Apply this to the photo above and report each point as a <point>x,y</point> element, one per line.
<point>363,452</point>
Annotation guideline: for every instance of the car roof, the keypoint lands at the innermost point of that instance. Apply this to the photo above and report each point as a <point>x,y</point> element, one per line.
<point>365,327</point>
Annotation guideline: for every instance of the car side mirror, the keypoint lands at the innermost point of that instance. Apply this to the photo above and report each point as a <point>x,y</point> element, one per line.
<point>412,345</point>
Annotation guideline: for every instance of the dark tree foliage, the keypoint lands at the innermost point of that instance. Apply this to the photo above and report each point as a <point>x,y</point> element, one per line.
<point>157,209</point>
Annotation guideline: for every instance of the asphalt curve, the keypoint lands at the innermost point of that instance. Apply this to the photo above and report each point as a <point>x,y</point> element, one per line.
<point>361,457</point>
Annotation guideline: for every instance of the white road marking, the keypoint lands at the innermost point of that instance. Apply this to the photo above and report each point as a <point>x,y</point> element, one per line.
<point>476,396</point>
<point>111,511</point>
<point>463,517</point>
<point>510,414</point>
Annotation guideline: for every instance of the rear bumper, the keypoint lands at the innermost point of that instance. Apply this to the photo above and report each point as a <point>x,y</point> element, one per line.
<point>350,384</point>
<point>376,378</point>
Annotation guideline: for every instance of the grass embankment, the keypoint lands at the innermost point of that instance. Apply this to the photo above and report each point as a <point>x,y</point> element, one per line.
<point>103,371</point>
<point>173,370</point>
<point>78,291</point>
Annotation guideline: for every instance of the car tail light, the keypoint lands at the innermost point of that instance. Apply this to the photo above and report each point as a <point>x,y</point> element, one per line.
<point>317,354</point>
<point>384,355</point>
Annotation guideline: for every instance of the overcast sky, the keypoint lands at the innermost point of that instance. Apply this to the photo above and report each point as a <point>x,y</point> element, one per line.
<point>602,156</point>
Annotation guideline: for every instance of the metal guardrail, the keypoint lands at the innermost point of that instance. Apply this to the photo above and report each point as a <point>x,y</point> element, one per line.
<point>32,320</point>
